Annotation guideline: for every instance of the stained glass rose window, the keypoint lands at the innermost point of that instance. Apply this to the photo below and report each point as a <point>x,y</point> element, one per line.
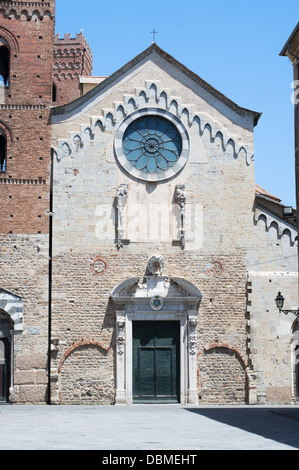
<point>152,144</point>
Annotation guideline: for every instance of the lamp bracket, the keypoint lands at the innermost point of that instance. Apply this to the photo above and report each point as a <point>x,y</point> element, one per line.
<point>294,311</point>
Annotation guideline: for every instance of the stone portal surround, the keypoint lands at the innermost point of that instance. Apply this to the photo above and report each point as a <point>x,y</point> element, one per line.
<point>180,301</point>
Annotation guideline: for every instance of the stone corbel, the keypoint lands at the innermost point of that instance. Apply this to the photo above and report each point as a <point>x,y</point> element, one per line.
<point>180,195</point>
<point>120,200</point>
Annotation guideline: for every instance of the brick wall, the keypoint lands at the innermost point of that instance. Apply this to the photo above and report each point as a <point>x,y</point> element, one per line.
<point>28,28</point>
<point>72,58</point>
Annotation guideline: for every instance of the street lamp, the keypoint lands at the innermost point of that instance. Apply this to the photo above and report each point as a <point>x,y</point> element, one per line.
<point>279,304</point>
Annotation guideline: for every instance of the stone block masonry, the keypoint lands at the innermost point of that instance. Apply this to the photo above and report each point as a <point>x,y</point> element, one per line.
<point>24,273</point>
<point>84,322</point>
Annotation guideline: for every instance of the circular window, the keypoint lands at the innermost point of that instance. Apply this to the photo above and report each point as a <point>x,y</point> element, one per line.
<point>152,145</point>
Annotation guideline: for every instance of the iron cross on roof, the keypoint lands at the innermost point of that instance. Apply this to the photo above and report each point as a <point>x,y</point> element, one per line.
<point>154,32</point>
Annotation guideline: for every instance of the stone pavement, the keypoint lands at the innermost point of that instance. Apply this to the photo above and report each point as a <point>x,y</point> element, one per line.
<point>149,427</point>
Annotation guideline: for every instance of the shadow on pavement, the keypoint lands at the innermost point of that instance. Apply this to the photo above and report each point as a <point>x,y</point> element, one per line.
<point>278,424</point>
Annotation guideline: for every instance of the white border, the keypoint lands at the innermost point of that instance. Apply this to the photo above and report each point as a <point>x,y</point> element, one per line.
<point>153,316</point>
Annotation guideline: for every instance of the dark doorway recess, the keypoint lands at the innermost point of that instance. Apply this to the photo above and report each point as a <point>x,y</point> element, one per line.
<point>156,361</point>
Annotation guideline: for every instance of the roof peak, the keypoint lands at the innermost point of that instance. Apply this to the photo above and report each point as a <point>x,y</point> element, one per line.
<point>154,48</point>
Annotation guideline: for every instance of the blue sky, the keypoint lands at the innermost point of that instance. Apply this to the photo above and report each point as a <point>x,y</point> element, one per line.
<point>234,45</point>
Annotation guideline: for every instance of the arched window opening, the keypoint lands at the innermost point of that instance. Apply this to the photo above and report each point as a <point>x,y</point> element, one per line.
<point>2,152</point>
<point>54,91</point>
<point>4,63</point>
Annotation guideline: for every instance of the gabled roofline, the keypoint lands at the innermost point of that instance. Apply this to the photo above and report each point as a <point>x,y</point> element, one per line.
<point>262,192</point>
<point>284,51</point>
<point>63,109</point>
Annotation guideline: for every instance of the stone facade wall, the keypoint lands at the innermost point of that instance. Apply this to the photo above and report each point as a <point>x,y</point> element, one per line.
<point>24,273</point>
<point>271,335</point>
<point>82,309</point>
<point>272,267</point>
<point>219,181</point>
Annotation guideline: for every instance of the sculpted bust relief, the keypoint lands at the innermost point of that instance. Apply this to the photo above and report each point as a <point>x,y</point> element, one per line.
<point>155,265</point>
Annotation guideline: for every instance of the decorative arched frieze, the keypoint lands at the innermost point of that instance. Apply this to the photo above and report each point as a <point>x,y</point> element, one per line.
<point>283,229</point>
<point>29,13</point>
<point>154,96</point>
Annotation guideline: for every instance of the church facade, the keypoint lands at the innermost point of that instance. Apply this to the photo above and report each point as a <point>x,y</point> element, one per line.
<point>152,272</point>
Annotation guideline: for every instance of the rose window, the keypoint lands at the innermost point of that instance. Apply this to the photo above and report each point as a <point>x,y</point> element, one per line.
<point>152,144</point>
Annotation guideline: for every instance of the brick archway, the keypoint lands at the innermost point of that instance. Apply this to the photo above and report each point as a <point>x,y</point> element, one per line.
<point>222,374</point>
<point>78,344</point>
<point>85,374</point>
<point>228,346</point>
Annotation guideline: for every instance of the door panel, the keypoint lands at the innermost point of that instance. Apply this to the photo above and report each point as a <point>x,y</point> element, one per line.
<point>164,372</point>
<point>146,372</point>
<point>156,360</point>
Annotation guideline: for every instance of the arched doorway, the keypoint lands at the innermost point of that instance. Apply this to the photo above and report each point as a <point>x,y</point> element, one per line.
<point>5,356</point>
<point>156,338</point>
<point>11,323</point>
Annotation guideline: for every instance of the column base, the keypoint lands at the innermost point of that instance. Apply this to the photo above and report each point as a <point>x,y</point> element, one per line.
<point>192,397</point>
<point>120,397</point>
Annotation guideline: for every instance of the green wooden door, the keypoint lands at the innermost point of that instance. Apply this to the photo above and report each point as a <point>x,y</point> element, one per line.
<point>156,361</point>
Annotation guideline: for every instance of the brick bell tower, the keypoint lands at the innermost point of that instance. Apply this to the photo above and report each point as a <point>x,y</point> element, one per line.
<point>26,68</point>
